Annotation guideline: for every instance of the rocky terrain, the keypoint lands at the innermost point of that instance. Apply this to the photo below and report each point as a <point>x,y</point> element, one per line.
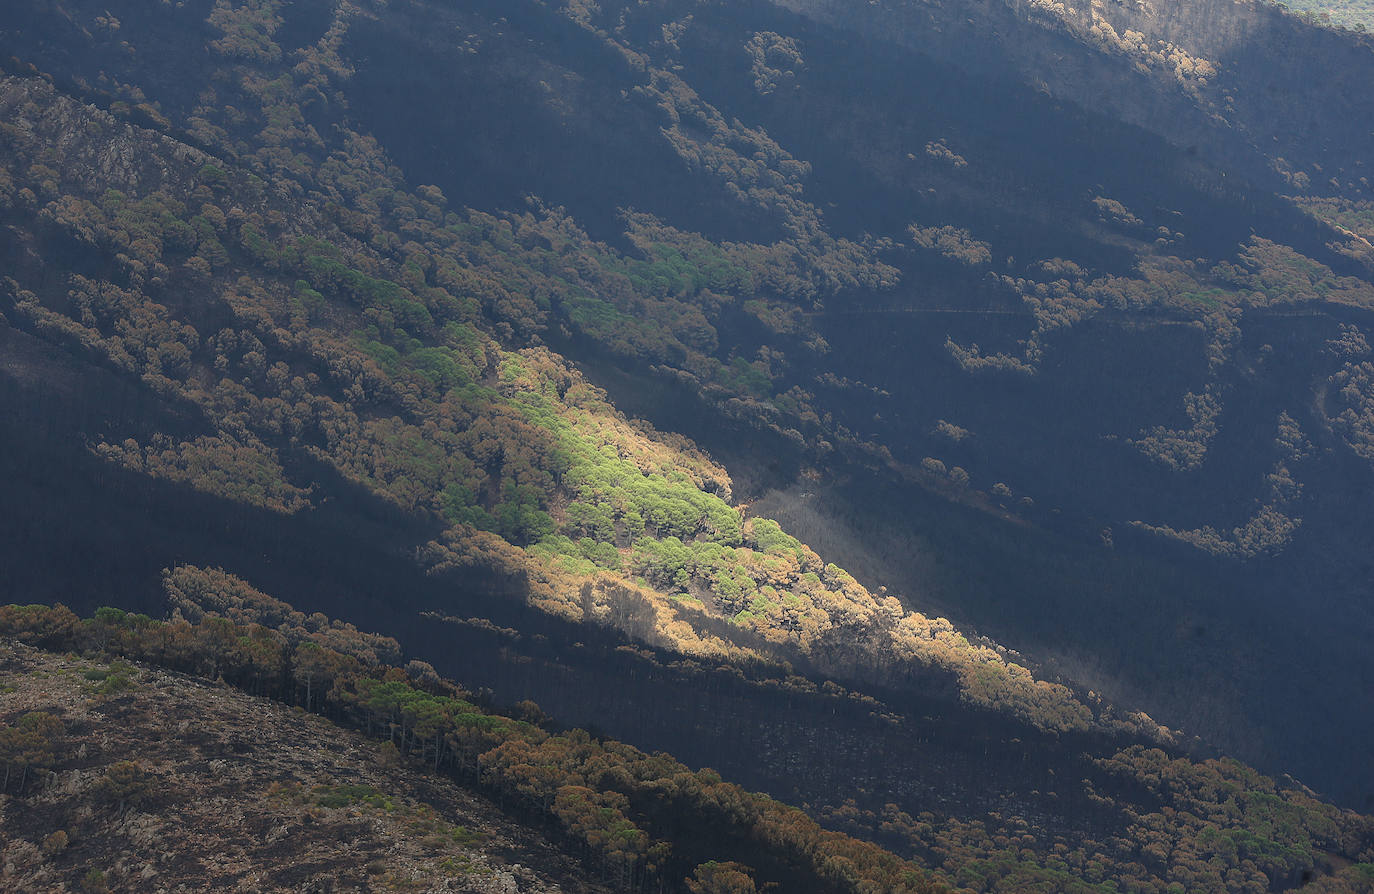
<point>160,782</point>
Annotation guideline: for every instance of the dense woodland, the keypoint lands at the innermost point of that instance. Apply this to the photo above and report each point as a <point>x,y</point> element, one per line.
<point>413,334</point>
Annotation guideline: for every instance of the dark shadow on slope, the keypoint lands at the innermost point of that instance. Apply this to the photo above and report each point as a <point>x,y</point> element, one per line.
<point>87,533</point>
<point>500,101</point>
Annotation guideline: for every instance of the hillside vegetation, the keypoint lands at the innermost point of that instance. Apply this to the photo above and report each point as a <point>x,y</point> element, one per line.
<point>641,819</point>
<point>122,791</point>
<point>352,356</point>
<point>494,326</point>
<point>1355,15</point>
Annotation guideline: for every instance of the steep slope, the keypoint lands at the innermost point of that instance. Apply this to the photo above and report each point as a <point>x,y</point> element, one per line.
<point>135,794</point>
<point>645,820</point>
<point>1248,85</point>
<point>249,501</point>
<point>1354,14</point>
<point>363,808</point>
<point>491,449</point>
<point>1094,306</point>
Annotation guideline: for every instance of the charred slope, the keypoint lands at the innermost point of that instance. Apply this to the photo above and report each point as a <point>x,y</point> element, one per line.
<point>915,746</point>
<point>249,794</point>
<point>787,155</point>
<point>645,820</point>
<point>1273,86</point>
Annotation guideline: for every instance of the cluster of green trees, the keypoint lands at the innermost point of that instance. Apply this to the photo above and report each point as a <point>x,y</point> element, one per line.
<point>1353,410</point>
<point>307,300</point>
<point>1357,15</point>
<point>1211,825</point>
<point>529,273</point>
<point>524,273</point>
<point>643,819</point>
<point>954,243</point>
<point>30,743</point>
<point>379,357</point>
<point>1215,298</point>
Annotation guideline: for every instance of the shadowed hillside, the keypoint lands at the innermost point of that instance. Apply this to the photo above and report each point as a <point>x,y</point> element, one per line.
<point>642,357</point>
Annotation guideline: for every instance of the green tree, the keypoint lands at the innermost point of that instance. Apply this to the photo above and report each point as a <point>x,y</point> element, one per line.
<point>125,784</point>
<point>30,743</point>
<point>721,878</point>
